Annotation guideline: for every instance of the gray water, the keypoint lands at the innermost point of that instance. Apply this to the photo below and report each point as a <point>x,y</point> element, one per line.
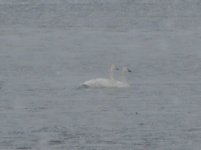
<point>47,49</point>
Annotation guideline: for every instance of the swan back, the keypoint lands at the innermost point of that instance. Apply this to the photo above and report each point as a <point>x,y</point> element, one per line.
<point>100,82</point>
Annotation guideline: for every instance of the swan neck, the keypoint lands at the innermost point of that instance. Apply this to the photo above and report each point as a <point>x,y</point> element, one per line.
<point>112,74</point>
<point>123,77</point>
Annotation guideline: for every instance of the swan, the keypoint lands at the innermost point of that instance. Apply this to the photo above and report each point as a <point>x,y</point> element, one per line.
<point>103,82</point>
<point>111,82</point>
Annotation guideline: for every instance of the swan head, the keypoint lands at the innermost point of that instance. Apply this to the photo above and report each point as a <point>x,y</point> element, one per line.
<point>114,67</point>
<point>126,69</point>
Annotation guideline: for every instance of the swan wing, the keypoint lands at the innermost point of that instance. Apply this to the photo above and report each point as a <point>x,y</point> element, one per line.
<point>100,82</point>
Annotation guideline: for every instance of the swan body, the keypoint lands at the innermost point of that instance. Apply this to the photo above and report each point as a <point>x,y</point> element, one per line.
<point>101,82</point>
<point>110,82</point>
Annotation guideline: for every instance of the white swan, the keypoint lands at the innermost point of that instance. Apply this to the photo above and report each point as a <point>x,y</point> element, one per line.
<point>103,82</point>
<point>111,82</point>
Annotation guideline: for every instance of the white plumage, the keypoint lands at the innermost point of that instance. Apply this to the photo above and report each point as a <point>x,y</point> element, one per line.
<point>110,82</point>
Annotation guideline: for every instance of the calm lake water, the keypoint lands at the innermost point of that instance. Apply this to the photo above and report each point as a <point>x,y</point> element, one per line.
<point>48,49</point>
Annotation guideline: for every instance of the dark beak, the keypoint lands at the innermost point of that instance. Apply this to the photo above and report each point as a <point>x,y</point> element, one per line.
<point>129,70</point>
